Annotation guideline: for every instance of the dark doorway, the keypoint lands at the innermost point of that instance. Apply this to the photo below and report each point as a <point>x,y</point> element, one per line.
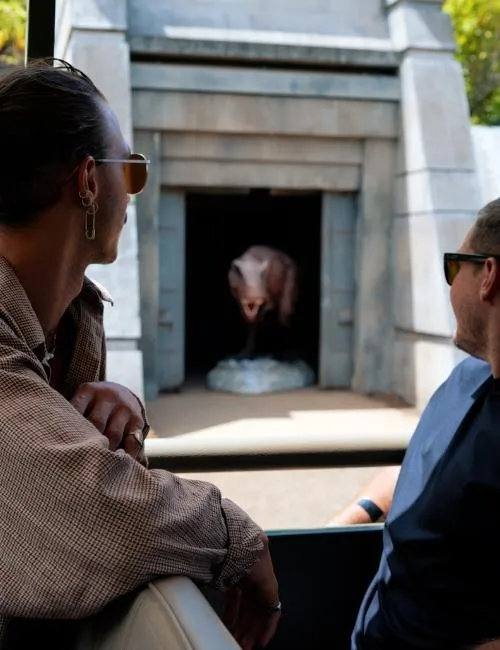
<point>219,228</point>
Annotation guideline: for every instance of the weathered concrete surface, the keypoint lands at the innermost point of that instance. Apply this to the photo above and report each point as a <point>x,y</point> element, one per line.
<point>486,141</point>
<point>436,198</point>
<point>356,18</point>
<point>286,498</point>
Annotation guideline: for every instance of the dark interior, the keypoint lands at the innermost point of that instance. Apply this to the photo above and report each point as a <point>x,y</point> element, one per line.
<point>220,227</point>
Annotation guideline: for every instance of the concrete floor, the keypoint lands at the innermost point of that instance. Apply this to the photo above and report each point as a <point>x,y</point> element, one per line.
<point>282,499</point>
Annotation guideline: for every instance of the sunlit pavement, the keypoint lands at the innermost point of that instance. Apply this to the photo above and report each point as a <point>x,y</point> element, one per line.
<point>287,498</point>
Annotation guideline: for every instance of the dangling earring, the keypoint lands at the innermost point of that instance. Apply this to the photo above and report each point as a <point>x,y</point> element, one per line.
<point>91,208</point>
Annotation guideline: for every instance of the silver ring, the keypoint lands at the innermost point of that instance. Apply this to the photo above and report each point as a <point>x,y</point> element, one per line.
<point>277,607</point>
<point>137,434</point>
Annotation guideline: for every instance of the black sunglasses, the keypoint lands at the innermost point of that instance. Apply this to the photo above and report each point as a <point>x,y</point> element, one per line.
<point>452,263</point>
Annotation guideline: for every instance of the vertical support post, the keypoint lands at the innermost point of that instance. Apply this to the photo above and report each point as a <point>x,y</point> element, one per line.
<point>40,29</point>
<point>148,232</point>
<point>337,290</point>
<point>373,315</point>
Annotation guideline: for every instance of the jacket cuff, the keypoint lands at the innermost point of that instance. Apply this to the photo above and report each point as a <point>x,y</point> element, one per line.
<point>244,546</point>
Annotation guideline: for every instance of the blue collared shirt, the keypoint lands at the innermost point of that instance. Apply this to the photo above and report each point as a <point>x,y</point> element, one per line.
<point>442,535</point>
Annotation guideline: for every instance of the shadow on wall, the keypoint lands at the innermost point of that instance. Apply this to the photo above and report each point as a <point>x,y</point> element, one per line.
<point>424,353</point>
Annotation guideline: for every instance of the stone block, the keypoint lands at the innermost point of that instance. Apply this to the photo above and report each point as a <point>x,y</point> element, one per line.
<point>361,17</point>
<point>263,47</point>
<point>342,263</point>
<point>435,114</point>
<point>421,295</point>
<point>125,367</point>
<point>486,142</point>
<point>99,14</point>
<point>121,279</point>
<point>421,366</point>
<point>430,190</point>
<point>63,27</point>
<point>337,370</point>
<point>184,173</point>
<point>420,26</point>
<point>373,318</point>
<point>257,148</point>
<point>217,79</point>
<point>87,51</point>
<point>199,112</point>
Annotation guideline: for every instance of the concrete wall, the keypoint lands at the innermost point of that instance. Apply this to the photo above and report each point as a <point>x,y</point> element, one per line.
<point>355,18</point>
<point>220,126</point>
<point>229,127</point>
<point>486,142</point>
<point>437,194</point>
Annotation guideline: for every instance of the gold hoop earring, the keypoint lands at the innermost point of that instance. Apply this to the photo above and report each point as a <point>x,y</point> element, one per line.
<point>90,213</point>
<point>85,199</point>
<point>91,208</point>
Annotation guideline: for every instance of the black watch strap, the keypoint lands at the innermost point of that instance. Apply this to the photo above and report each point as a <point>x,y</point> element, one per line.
<point>371,508</point>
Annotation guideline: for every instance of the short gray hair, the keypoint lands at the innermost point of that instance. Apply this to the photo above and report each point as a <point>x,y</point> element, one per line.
<point>485,234</point>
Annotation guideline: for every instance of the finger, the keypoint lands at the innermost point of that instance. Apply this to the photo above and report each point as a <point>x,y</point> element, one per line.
<point>82,398</point>
<point>248,623</point>
<point>269,629</point>
<point>260,630</point>
<point>249,640</point>
<point>100,414</point>
<point>116,428</point>
<point>131,444</point>
<point>231,608</point>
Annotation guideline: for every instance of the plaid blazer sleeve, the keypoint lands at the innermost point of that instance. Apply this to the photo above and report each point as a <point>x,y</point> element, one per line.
<point>82,525</point>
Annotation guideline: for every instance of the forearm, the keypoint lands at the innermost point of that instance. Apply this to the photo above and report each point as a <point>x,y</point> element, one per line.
<point>82,525</point>
<point>110,528</point>
<point>380,490</point>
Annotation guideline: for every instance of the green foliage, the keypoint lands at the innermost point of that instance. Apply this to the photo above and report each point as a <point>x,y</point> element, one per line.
<point>477,31</point>
<point>12,30</point>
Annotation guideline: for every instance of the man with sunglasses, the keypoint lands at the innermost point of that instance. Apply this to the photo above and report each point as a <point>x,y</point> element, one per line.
<point>83,520</point>
<point>437,583</point>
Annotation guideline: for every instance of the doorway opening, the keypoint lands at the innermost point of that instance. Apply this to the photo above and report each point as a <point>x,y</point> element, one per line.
<point>219,228</point>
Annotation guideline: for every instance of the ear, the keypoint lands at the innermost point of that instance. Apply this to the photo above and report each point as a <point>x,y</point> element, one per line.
<point>490,284</point>
<point>87,178</point>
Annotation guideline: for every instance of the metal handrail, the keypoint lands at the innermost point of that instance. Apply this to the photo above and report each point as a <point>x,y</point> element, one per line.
<point>223,453</point>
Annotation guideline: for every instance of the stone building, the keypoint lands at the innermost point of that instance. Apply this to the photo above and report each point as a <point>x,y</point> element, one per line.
<point>336,130</point>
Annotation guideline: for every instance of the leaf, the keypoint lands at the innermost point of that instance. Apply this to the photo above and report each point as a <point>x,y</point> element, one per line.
<point>477,31</point>
<point>12,30</point>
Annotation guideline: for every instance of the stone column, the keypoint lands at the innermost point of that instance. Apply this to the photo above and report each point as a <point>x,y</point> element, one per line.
<point>91,34</point>
<point>437,194</point>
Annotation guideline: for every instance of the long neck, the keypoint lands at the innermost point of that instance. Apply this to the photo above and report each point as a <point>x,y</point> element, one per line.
<point>49,269</point>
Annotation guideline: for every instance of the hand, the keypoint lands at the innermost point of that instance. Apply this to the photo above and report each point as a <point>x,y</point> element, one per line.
<point>249,613</point>
<point>114,411</point>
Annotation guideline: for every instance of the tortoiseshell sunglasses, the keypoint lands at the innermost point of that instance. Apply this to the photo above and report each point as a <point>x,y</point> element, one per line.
<point>135,170</point>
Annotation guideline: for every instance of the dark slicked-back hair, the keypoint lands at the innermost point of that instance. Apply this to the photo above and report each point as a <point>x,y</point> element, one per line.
<point>50,119</point>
